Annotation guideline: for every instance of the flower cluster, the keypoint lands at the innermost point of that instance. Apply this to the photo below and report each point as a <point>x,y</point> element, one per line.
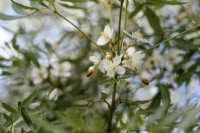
<point>114,63</point>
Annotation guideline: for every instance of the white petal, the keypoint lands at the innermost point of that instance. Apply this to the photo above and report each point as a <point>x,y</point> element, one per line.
<point>130,51</point>
<point>53,95</point>
<point>101,68</point>
<point>93,59</point>
<point>117,60</point>
<point>108,31</point>
<point>107,63</point>
<point>120,70</point>
<point>97,55</point>
<point>102,40</point>
<point>110,72</point>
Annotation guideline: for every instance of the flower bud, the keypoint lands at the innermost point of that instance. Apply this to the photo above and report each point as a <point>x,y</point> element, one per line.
<point>90,71</point>
<point>116,42</point>
<point>108,56</point>
<point>130,44</point>
<point>125,57</point>
<point>125,46</point>
<point>145,81</point>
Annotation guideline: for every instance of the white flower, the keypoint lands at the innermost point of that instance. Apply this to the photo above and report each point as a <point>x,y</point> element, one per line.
<point>113,67</point>
<point>134,61</point>
<point>96,59</point>
<point>39,74</point>
<point>138,36</point>
<point>105,37</point>
<point>174,56</point>
<point>61,69</point>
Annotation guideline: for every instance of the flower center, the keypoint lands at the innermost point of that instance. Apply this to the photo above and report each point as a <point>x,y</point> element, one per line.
<point>113,66</point>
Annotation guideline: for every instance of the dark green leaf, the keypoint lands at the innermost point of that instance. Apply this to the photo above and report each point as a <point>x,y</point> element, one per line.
<point>26,116</point>
<point>26,101</point>
<point>6,73</point>
<point>103,96</point>
<point>155,103</point>
<point>166,2</point>
<point>8,108</point>
<point>8,118</point>
<point>154,21</point>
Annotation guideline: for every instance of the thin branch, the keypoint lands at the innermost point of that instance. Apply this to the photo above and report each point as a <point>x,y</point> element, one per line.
<point>180,34</point>
<point>119,27</point>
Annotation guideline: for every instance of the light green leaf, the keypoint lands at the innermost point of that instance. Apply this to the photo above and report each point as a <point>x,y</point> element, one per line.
<point>24,6</point>
<point>8,17</point>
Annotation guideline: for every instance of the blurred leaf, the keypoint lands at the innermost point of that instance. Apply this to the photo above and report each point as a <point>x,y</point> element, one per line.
<point>186,45</point>
<point>186,76</point>
<point>138,8</point>
<point>27,100</point>
<point>81,102</point>
<point>96,124</point>
<point>26,117</point>
<point>77,0</point>
<point>48,126</point>
<point>6,73</point>
<point>103,96</point>
<point>71,118</point>
<point>155,103</point>
<point>19,10</point>
<point>8,108</point>
<point>122,83</point>
<point>166,2</point>
<point>23,6</point>
<point>75,6</point>
<point>154,21</point>
<point>8,17</point>
<point>8,118</point>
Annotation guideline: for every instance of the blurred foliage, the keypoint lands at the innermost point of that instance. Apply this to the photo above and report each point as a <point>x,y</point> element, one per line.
<point>45,62</point>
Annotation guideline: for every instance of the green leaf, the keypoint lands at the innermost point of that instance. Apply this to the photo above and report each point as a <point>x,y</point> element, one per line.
<point>26,117</point>
<point>26,101</point>
<point>71,118</point>
<point>165,95</point>
<point>8,118</point>
<point>166,2</point>
<point>155,103</point>
<point>24,6</point>
<point>8,108</point>
<point>19,10</point>
<point>75,0</point>
<point>103,96</point>
<point>8,17</point>
<point>6,73</point>
<point>154,21</point>
<point>75,6</point>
